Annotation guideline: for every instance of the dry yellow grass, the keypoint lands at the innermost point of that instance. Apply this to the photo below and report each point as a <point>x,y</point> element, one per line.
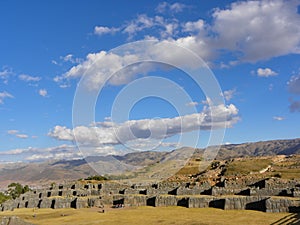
<point>150,215</point>
<point>247,165</point>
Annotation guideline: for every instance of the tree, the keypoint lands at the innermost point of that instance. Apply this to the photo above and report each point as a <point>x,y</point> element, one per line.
<point>3,197</point>
<point>16,189</point>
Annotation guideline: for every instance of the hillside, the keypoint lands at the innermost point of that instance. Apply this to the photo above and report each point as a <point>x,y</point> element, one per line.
<point>262,148</point>
<point>59,171</point>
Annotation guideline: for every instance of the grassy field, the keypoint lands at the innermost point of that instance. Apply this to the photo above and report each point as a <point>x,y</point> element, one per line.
<point>151,215</point>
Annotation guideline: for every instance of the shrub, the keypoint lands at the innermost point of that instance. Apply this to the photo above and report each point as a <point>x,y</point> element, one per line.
<point>96,177</point>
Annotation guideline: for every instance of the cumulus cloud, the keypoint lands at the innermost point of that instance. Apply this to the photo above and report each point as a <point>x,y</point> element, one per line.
<point>200,44</point>
<point>110,133</point>
<point>28,78</point>
<point>266,72</point>
<point>266,29</point>
<point>196,26</point>
<point>98,67</point>
<point>258,29</point>
<point>43,92</point>
<point>4,95</point>
<point>97,73</point>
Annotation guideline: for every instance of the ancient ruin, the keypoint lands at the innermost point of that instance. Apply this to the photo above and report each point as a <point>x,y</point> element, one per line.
<point>267,195</point>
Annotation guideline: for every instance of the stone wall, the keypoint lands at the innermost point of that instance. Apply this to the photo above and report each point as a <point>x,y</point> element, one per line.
<point>245,202</point>
<point>253,196</point>
<point>275,204</point>
<point>13,220</point>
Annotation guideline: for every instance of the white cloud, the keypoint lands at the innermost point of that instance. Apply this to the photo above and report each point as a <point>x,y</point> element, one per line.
<point>13,152</point>
<point>258,29</point>
<point>265,29</point>
<point>54,62</point>
<point>17,134</point>
<point>64,85</point>
<point>160,26</point>
<point>62,133</point>
<point>12,131</point>
<point>101,30</point>
<point>194,26</point>
<point>67,58</point>
<point>167,7</point>
<point>278,118</point>
<point>99,66</point>
<point>70,58</point>
<point>170,30</point>
<point>23,136</point>
<point>43,92</point>
<point>28,78</point>
<point>140,23</point>
<point>192,104</point>
<point>58,79</point>
<point>5,74</point>
<point>249,30</point>
<point>109,133</point>
<point>65,152</point>
<point>266,72</point>
<point>229,94</point>
<point>4,95</point>
<point>198,44</point>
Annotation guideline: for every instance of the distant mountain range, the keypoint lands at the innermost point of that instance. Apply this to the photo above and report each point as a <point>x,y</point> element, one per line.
<point>59,171</point>
<point>262,148</point>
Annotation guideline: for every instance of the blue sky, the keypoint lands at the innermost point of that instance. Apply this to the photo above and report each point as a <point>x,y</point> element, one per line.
<point>252,48</point>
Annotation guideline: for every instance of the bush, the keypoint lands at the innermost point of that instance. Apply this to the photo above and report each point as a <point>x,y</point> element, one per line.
<point>96,177</point>
<point>278,175</point>
<point>4,197</point>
